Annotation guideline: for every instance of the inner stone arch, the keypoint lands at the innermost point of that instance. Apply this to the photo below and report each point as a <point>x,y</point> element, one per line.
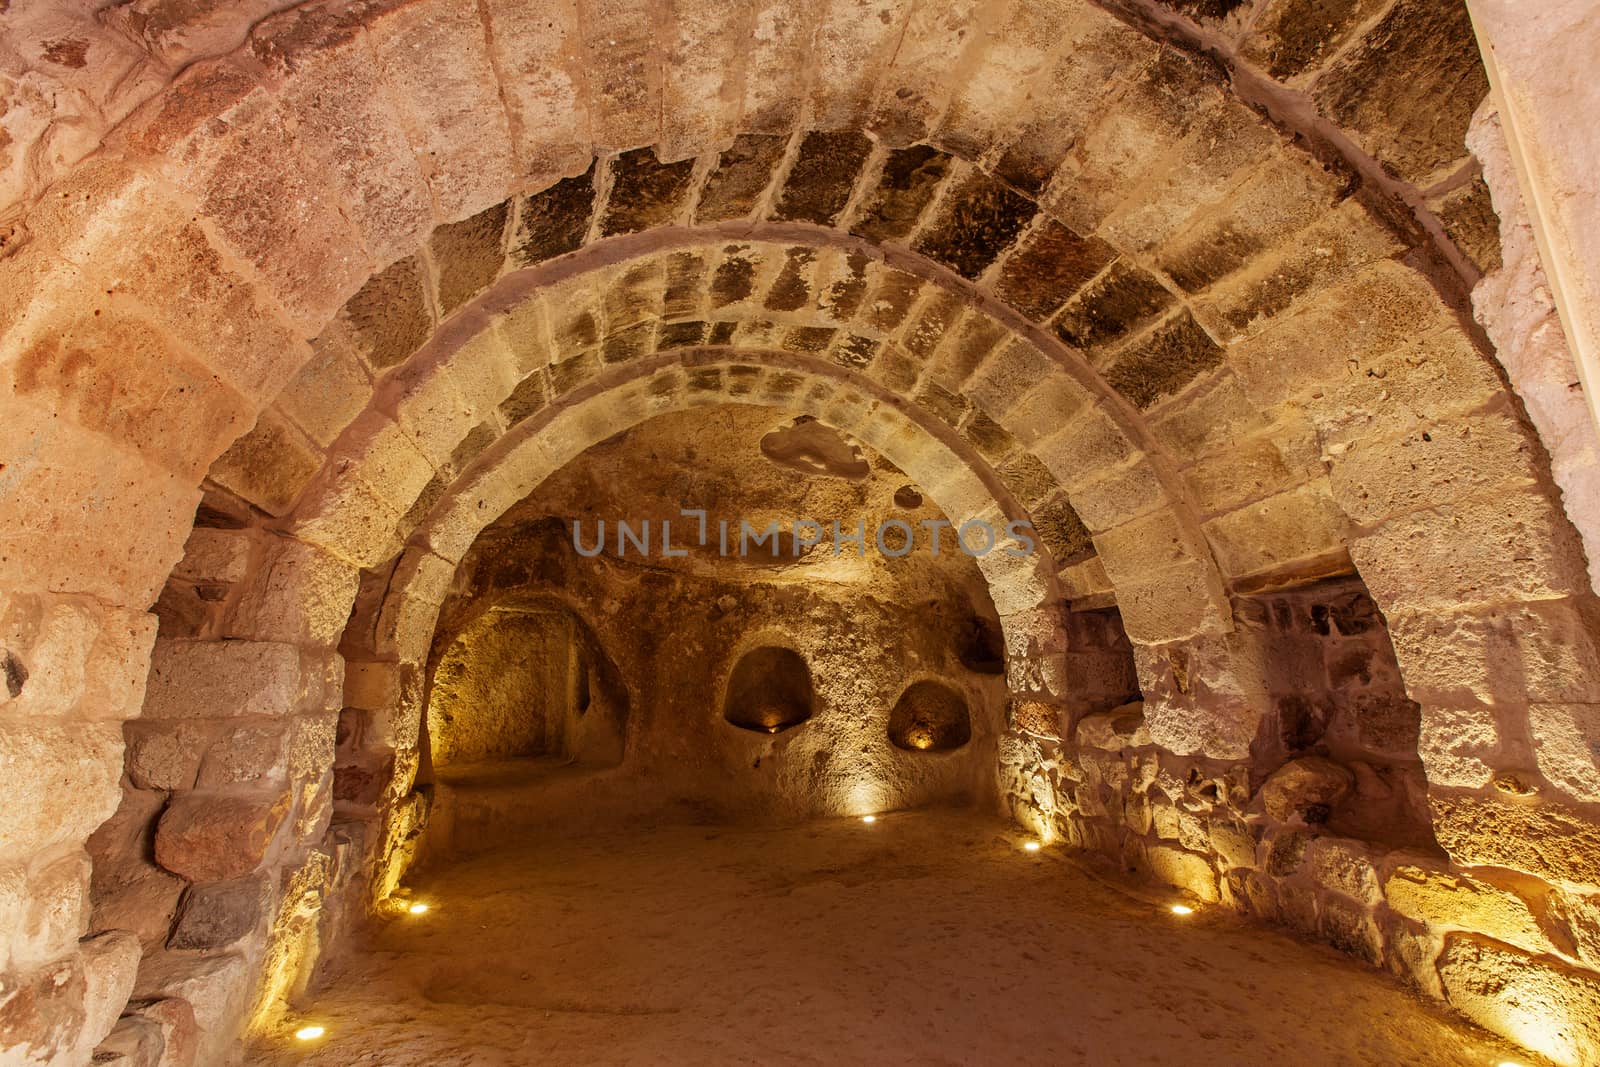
<point>801,650</point>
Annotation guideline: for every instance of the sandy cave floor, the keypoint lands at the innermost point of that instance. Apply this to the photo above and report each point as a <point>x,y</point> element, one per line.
<point>927,938</point>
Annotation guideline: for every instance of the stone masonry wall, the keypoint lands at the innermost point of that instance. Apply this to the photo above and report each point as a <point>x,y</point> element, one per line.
<point>1326,828</point>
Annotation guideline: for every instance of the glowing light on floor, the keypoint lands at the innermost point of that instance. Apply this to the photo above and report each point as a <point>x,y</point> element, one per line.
<point>1032,846</point>
<point>1182,909</point>
<point>418,909</point>
<point>309,1033</point>
<point>869,818</point>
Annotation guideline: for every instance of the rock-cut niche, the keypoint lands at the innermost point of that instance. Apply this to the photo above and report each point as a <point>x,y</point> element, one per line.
<point>769,691</point>
<point>930,717</point>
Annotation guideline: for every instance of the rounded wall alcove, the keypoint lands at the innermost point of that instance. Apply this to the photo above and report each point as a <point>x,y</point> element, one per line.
<point>520,679</point>
<point>930,717</point>
<point>769,691</point>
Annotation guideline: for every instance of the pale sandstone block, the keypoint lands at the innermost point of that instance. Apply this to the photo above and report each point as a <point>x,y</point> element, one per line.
<point>69,774</point>
<point>44,908</point>
<point>536,50</point>
<point>1541,651</point>
<point>1302,524</point>
<point>434,59</point>
<point>297,594</point>
<point>1459,745</point>
<point>222,679</point>
<point>1378,478</point>
<point>1547,840</point>
<point>231,148</point>
<point>1553,1009</point>
<point>1504,546</point>
<point>1442,901</point>
<point>1566,744</point>
<point>328,84</point>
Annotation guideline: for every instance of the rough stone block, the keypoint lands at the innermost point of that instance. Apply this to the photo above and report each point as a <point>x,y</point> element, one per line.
<point>328,83</point>
<point>1376,89</point>
<point>1284,194</point>
<point>1163,362</point>
<point>214,988</point>
<point>1303,524</point>
<point>544,99</point>
<point>1511,545</point>
<point>1375,313</point>
<point>1115,730</point>
<point>1566,743</point>
<point>1048,267</point>
<point>1288,40</point>
<point>1299,786</point>
<point>110,965</point>
<point>645,192</point>
<point>977,221</point>
<point>217,837</point>
<point>822,177</point>
<point>1377,478</point>
<point>269,465</point>
<point>65,656</point>
<point>135,1041</point>
<point>222,679</point>
<point>220,914</point>
<point>1330,249</point>
<point>297,594</point>
<point>1189,871</point>
<point>468,255</point>
<point>742,173</point>
<point>387,319</point>
<point>910,179</point>
<point>233,150</point>
<point>166,755</point>
<point>453,101</point>
<point>1344,866</point>
<point>1547,840</point>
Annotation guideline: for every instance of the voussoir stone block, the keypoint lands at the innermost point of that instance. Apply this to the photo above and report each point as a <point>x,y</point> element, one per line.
<point>327,82</point>
<point>1539,651</point>
<point>451,104</point>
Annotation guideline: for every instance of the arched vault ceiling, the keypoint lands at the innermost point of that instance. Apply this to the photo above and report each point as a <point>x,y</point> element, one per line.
<point>1165,303</point>
<point>1385,88</point>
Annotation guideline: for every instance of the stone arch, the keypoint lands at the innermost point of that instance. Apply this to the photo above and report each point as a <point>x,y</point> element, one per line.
<point>1017,390</point>
<point>184,234</point>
